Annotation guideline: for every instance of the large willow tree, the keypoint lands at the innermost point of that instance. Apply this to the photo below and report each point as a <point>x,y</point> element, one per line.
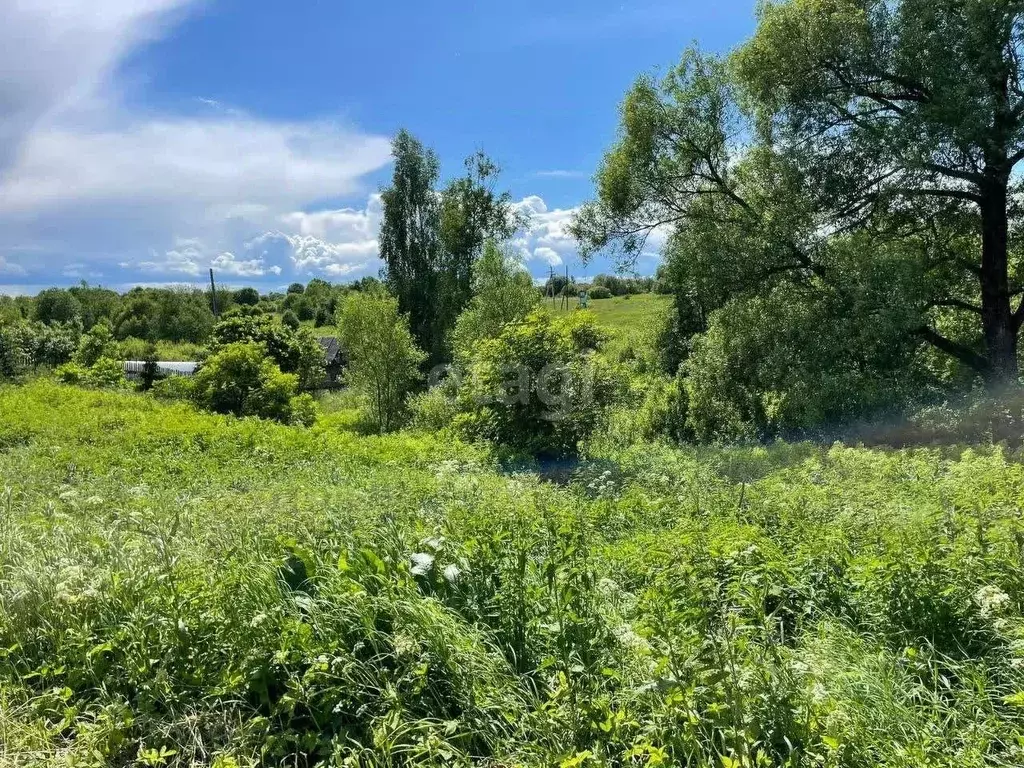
<point>893,125</point>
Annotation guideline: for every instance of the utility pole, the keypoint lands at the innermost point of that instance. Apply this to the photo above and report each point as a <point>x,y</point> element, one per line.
<point>213,293</point>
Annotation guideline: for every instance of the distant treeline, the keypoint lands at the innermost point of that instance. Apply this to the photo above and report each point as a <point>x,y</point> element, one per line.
<point>606,286</point>
<point>172,314</point>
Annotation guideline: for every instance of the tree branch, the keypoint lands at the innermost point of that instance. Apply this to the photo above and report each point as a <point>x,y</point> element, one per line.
<point>965,355</point>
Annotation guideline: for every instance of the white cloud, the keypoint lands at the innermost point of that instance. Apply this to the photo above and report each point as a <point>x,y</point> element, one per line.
<point>545,239</point>
<point>81,173</point>
<point>547,255</point>
<point>10,268</point>
<point>193,259</point>
<point>230,264</point>
<point>560,174</point>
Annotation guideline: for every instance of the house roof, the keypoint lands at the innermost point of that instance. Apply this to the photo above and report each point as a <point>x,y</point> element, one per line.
<point>331,348</point>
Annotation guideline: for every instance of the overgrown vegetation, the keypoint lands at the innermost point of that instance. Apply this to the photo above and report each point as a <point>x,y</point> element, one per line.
<point>179,588</point>
<point>519,534</point>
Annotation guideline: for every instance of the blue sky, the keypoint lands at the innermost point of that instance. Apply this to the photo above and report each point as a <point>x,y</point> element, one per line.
<point>147,140</point>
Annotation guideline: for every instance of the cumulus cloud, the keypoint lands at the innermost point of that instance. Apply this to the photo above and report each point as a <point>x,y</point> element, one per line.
<point>193,259</point>
<point>82,173</point>
<point>545,239</point>
<point>548,255</point>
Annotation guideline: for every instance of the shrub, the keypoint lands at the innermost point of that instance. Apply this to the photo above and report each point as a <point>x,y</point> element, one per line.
<point>435,409</point>
<point>584,332</point>
<point>105,373</point>
<point>654,409</point>
<point>72,373</point>
<point>96,344</point>
<point>303,410</point>
<point>538,388</point>
<point>294,351</point>
<point>56,305</point>
<point>290,320</point>
<point>598,292</point>
<point>247,297</point>
<point>503,293</point>
<point>17,345</point>
<point>241,379</point>
<point>174,388</point>
<point>24,346</point>
<point>383,359</point>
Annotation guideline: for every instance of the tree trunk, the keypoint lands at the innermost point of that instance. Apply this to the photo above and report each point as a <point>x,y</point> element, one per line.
<point>997,318</point>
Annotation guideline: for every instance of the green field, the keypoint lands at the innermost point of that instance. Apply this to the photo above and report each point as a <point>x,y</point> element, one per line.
<point>630,319</point>
<point>179,588</point>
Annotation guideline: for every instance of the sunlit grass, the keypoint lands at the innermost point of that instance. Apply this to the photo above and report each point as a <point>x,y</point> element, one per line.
<point>183,588</point>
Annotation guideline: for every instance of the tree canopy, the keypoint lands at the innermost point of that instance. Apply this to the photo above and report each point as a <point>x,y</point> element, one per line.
<point>860,151</point>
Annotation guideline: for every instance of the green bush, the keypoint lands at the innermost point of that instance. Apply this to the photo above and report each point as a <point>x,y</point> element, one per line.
<point>104,373</point>
<point>17,346</point>
<point>537,388</point>
<point>503,293</point>
<point>303,410</point>
<point>294,351</point>
<point>584,332</point>
<point>174,388</point>
<point>653,409</point>
<point>241,379</point>
<point>598,292</point>
<point>383,358</point>
<point>98,343</point>
<point>782,364</point>
<point>434,410</point>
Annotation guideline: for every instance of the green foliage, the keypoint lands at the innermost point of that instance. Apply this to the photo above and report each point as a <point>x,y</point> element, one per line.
<point>599,292</point>
<point>537,388</point>
<point>503,293</point>
<point>290,320</point>
<point>179,388</point>
<point>247,297</point>
<point>175,315</point>
<point>99,342</point>
<point>616,285</point>
<point>471,214</point>
<point>242,379</point>
<point>856,176</point>
<point>430,240</point>
<point>794,362</point>
<point>247,593</point>
<point>102,373</point>
<point>434,410</point>
<point>294,351</point>
<point>57,305</point>
<point>303,410</point>
<point>410,243</point>
<point>17,344</point>
<point>26,346</point>
<point>97,304</point>
<point>383,358</point>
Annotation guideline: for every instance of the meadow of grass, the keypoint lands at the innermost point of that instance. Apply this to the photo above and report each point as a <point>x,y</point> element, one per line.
<point>179,588</point>
<point>629,319</point>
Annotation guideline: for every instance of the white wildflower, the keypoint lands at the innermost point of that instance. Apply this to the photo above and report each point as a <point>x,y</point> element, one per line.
<point>990,600</point>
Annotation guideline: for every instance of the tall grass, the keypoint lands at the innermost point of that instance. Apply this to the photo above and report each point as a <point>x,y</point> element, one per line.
<point>178,588</point>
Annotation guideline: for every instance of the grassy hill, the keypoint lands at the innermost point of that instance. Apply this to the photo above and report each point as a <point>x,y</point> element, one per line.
<point>630,319</point>
<point>179,588</point>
